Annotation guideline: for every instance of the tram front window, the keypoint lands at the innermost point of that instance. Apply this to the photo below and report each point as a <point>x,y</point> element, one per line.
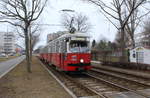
<point>79,46</point>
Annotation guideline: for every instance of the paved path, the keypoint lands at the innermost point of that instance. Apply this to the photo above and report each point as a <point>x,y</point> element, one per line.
<point>6,66</point>
<point>122,70</point>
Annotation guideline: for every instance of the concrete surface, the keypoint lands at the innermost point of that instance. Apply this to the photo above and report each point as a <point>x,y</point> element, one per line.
<point>8,65</point>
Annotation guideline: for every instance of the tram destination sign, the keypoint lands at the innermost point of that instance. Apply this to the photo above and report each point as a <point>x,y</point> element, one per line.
<point>79,38</point>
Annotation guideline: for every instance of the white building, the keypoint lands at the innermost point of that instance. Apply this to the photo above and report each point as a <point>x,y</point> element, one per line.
<point>7,42</point>
<point>1,42</point>
<point>140,40</point>
<point>140,55</point>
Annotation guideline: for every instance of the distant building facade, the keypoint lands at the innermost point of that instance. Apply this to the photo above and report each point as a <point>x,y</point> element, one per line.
<point>141,40</point>
<point>18,49</point>
<point>7,42</point>
<point>53,36</point>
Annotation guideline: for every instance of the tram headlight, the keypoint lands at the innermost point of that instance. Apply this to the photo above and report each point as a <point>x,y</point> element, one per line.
<point>81,60</point>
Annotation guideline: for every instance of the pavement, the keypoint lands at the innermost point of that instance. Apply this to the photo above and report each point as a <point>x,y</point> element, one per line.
<point>129,71</point>
<point>8,65</point>
<point>18,83</point>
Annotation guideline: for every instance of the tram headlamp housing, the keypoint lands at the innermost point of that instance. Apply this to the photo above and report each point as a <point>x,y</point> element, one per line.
<point>81,61</point>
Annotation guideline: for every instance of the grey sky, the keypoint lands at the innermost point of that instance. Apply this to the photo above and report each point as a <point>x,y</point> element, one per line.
<point>52,15</point>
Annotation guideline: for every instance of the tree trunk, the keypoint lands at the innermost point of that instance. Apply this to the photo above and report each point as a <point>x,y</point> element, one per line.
<point>123,53</point>
<point>30,40</point>
<point>27,51</point>
<point>133,42</point>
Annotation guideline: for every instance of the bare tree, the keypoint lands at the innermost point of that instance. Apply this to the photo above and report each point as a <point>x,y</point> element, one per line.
<point>34,34</point>
<point>132,25</point>
<point>22,13</point>
<point>117,11</point>
<point>79,22</point>
<point>146,33</point>
<point>82,23</point>
<point>134,21</point>
<point>33,42</point>
<point>118,39</point>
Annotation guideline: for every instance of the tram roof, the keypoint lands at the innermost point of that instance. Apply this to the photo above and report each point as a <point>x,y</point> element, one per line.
<point>66,35</point>
<point>76,34</point>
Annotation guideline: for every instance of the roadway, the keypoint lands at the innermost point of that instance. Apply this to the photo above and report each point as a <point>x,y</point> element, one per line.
<point>8,65</point>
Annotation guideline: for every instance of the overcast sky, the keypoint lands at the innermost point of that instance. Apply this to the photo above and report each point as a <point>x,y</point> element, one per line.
<point>100,26</point>
<point>52,15</point>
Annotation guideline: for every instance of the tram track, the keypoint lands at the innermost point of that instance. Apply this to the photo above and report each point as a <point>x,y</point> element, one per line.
<point>99,85</point>
<point>124,83</point>
<point>92,84</point>
<point>86,85</point>
<point>76,89</point>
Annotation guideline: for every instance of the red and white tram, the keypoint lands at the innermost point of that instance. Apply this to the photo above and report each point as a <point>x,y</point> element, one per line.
<point>70,52</point>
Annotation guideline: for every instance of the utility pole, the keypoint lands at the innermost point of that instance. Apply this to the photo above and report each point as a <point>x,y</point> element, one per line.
<point>72,19</point>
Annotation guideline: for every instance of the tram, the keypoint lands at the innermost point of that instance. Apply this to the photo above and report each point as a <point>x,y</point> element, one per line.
<point>69,52</point>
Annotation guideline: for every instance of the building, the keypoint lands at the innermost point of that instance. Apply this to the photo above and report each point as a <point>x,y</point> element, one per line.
<point>53,36</point>
<point>140,55</point>
<point>19,49</point>
<point>1,42</point>
<point>141,40</point>
<point>7,42</point>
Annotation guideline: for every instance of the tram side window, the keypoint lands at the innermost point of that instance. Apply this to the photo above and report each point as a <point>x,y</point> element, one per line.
<point>52,47</point>
<point>64,46</point>
<point>57,46</point>
<point>46,49</point>
<point>61,46</point>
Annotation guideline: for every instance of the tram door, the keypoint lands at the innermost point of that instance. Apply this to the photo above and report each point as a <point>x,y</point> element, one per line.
<point>62,60</point>
<point>139,57</point>
<point>62,46</point>
<point>63,53</point>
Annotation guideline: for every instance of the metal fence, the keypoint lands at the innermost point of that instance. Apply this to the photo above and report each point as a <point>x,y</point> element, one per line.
<point>108,56</point>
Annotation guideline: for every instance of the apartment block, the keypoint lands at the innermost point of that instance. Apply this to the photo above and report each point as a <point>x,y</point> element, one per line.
<point>7,42</point>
